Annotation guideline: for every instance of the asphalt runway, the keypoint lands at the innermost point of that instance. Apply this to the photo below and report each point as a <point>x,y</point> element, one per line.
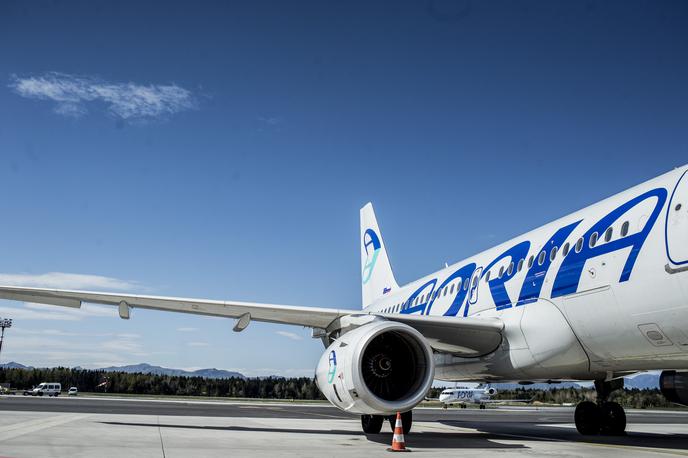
<point>96,426</point>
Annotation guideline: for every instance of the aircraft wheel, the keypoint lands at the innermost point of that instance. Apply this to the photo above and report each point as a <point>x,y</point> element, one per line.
<point>463,406</point>
<point>444,406</point>
<point>587,418</point>
<point>612,419</point>
<point>482,406</point>
<point>372,424</point>
<point>406,421</point>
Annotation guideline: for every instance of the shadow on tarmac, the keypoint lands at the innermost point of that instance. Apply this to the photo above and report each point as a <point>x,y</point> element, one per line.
<point>543,433</point>
<point>485,437</point>
<point>423,440</point>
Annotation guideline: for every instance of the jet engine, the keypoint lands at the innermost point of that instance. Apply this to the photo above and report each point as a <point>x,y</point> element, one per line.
<point>379,368</point>
<point>491,391</point>
<point>674,386</point>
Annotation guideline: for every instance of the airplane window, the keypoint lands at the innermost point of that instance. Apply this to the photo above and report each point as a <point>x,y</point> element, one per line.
<point>565,251</point>
<point>553,254</point>
<point>593,239</point>
<point>541,257</point>
<point>451,290</point>
<point>510,270</point>
<point>624,229</point>
<point>579,245</point>
<point>501,272</point>
<point>520,265</point>
<point>487,276</point>
<point>445,292</point>
<point>530,261</point>
<point>465,284</point>
<point>608,234</point>
<point>475,281</point>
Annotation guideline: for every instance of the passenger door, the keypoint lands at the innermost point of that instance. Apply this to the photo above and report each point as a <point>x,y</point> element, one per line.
<point>677,225</point>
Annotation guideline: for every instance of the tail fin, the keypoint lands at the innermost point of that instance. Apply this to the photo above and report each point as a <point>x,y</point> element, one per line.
<point>376,272</point>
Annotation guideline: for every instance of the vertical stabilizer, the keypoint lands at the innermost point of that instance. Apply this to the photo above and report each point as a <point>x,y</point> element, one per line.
<point>376,272</point>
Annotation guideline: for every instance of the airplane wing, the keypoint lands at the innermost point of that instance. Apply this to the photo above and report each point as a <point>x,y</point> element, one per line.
<point>284,314</point>
<point>466,336</point>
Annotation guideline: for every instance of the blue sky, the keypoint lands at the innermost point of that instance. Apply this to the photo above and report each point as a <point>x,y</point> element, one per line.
<point>217,150</point>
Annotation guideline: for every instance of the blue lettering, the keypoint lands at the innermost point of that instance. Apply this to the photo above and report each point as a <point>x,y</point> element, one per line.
<point>499,294</point>
<point>535,277</point>
<point>570,271</point>
<point>462,273</point>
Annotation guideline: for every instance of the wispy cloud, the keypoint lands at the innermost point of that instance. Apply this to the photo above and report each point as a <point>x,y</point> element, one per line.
<point>62,280</point>
<point>187,329</point>
<point>123,100</point>
<point>198,344</point>
<point>289,335</point>
<point>31,311</point>
<point>270,120</point>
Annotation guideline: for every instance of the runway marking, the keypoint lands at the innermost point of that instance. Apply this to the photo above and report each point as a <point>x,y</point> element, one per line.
<point>31,426</point>
<point>162,445</point>
<point>593,444</point>
<point>633,427</point>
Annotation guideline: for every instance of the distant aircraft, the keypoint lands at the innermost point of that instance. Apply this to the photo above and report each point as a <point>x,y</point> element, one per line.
<point>480,395</point>
<point>595,295</point>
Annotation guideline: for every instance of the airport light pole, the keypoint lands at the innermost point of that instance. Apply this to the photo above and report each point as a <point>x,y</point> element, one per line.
<point>4,323</point>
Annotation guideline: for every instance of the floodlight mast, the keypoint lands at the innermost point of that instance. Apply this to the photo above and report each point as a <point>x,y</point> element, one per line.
<point>4,323</point>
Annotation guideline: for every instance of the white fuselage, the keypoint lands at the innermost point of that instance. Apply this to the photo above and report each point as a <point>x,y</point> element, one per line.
<point>599,292</point>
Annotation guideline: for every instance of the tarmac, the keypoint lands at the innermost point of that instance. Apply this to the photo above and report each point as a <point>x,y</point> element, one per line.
<point>116,427</point>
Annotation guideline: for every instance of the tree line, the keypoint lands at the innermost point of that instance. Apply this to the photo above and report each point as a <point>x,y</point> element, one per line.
<point>301,388</point>
<point>138,383</point>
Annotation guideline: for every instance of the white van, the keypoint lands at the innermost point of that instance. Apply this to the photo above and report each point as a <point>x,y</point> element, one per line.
<point>48,389</point>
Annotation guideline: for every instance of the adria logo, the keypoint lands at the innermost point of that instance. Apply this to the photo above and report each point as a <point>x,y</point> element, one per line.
<point>372,245</point>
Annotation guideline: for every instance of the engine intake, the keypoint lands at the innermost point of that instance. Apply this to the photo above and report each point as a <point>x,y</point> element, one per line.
<point>674,386</point>
<point>379,368</point>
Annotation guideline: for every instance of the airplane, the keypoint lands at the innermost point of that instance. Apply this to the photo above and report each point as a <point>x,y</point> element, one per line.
<point>595,295</point>
<point>481,395</point>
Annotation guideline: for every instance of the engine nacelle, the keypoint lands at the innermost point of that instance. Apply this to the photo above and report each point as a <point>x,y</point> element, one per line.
<point>674,386</point>
<point>491,391</point>
<point>379,368</point>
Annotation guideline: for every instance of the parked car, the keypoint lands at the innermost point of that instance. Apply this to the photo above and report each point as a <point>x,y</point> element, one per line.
<point>47,389</point>
<point>72,391</point>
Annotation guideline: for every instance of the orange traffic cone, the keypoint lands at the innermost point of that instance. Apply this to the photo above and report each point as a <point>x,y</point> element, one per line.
<point>398,443</point>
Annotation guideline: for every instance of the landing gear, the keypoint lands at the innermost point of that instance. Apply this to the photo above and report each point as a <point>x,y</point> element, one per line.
<point>406,421</point>
<point>372,424</point>
<point>463,406</point>
<point>482,406</point>
<point>606,418</point>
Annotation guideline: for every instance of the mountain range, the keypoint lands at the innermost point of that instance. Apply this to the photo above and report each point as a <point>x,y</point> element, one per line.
<point>146,368</point>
